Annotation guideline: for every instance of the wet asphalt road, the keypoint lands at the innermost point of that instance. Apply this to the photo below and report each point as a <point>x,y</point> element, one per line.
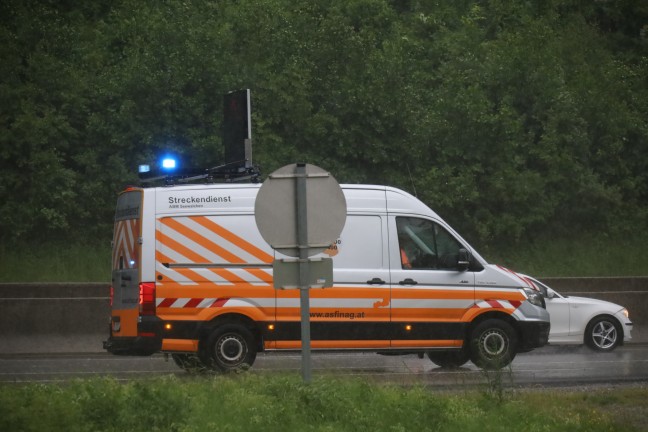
<point>548,366</point>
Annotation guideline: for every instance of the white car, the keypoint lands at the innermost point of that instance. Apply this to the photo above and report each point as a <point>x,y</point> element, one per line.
<point>599,324</point>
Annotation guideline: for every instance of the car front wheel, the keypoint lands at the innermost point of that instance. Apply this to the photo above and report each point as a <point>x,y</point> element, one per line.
<point>603,334</point>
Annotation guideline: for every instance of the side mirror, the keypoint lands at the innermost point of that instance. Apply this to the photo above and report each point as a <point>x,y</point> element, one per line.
<point>550,293</point>
<point>463,261</point>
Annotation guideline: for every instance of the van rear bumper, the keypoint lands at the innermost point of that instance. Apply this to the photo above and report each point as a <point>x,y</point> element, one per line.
<point>137,346</point>
<point>533,334</point>
<point>147,341</point>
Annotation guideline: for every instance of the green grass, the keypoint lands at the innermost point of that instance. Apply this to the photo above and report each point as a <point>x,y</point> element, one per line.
<point>284,403</point>
<point>585,256</point>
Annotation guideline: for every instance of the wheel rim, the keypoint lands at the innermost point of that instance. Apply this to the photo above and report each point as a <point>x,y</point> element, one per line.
<point>493,343</point>
<point>231,349</point>
<point>604,334</point>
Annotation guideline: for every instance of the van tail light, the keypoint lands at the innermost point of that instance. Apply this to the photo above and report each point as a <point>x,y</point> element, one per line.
<point>147,298</point>
<point>112,295</point>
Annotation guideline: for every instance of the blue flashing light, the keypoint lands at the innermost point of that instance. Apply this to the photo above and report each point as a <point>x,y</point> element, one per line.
<point>168,163</point>
<point>144,168</point>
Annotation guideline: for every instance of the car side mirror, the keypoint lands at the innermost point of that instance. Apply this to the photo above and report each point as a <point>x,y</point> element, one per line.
<point>463,261</point>
<point>550,293</point>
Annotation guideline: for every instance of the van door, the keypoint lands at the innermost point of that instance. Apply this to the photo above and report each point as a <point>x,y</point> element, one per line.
<point>354,313</point>
<point>126,253</point>
<point>430,294</point>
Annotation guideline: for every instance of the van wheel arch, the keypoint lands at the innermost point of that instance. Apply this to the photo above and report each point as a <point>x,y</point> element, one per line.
<point>492,315</point>
<point>231,318</point>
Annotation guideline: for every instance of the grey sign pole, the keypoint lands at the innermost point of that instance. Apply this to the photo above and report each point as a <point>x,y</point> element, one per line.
<point>300,210</point>
<point>302,244</point>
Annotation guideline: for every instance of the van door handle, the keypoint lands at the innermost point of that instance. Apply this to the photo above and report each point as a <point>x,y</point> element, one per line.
<point>375,281</point>
<point>408,281</point>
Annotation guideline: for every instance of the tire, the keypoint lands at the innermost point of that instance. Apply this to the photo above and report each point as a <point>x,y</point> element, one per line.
<point>449,359</point>
<point>493,344</point>
<point>189,362</point>
<point>230,347</point>
<point>603,334</point>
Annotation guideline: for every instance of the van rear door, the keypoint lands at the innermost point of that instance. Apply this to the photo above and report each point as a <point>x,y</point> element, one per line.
<point>126,255</point>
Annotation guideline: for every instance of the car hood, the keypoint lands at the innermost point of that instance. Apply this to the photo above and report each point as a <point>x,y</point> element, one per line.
<point>609,306</point>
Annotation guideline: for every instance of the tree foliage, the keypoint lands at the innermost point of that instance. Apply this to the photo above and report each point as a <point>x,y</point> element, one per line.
<point>511,119</point>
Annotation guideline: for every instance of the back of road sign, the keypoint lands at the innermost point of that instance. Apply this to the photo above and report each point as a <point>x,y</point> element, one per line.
<point>275,210</point>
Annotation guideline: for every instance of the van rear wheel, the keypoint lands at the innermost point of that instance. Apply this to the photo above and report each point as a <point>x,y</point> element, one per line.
<point>493,344</point>
<point>230,347</point>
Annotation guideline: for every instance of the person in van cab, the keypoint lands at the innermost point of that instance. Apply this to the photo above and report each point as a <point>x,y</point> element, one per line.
<point>425,245</point>
<point>406,250</point>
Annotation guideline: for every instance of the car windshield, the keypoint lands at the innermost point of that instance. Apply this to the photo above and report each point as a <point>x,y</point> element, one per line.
<point>544,289</point>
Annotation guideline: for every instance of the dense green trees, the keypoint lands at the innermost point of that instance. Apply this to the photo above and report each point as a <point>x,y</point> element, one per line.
<point>512,119</point>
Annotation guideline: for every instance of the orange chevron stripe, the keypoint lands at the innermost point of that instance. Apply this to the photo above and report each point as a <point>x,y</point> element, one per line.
<point>233,238</point>
<point>512,294</point>
<point>201,240</point>
<point>212,246</point>
<point>124,241</point>
<point>118,246</point>
<point>196,258</point>
<point>197,277</point>
<point>217,291</point>
<point>262,275</point>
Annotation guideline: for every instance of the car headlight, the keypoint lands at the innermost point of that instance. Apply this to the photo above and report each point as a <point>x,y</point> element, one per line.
<point>535,297</point>
<point>626,313</point>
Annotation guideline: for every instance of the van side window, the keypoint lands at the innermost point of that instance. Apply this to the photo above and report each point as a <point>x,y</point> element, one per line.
<point>425,245</point>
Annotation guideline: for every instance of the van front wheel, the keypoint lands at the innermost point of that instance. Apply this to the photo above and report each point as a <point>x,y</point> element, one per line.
<point>231,347</point>
<point>493,344</point>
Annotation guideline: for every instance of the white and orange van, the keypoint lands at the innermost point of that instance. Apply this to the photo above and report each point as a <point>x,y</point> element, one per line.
<point>192,276</point>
